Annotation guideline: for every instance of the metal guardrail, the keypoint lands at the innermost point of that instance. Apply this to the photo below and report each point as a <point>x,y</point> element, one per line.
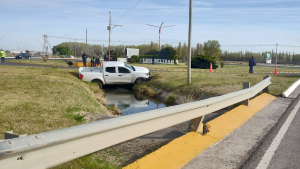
<point>52,148</point>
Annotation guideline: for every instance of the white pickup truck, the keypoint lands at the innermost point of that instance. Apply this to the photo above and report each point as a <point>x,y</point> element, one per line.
<point>114,73</point>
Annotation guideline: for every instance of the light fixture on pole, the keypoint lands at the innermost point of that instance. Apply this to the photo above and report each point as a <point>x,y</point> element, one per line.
<point>2,37</point>
<point>160,32</point>
<point>110,27</point>
<point>70,43</point>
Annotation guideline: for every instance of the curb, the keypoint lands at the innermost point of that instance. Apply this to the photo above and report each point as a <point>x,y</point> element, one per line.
<point>182,150</point>
<point>291,89</point>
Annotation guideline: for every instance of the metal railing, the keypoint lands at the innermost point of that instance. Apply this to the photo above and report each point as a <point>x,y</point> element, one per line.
<point>52,148</point>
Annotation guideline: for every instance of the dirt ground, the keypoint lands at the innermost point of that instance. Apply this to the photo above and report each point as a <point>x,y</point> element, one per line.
<point>127,152</point>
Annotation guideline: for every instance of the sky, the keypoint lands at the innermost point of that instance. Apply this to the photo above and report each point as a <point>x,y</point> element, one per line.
<point>247,23</point>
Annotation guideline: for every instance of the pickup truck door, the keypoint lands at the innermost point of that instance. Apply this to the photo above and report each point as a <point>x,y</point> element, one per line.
<point>110,75</point>
<point>125,75</point>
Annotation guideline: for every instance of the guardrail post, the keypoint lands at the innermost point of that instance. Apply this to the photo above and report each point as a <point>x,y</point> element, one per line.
<point>246,85</point>
<point>266,90</point>
<point>196,125</point>
<point>11,135</point>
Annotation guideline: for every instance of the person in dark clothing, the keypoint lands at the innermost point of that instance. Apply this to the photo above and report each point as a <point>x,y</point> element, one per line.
<point>93,61</point>
<point>251,64</point>
<point>97,62</point>
<point>84,59</point>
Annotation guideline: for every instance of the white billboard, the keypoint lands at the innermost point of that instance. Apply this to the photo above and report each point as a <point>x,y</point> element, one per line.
<point>269,58</point>
<point>132,51</point>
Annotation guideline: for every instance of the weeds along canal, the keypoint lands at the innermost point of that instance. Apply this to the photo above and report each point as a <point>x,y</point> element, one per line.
<point>130,102</point>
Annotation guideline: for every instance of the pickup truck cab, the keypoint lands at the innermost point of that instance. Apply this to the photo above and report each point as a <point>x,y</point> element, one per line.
<point>114,73</point>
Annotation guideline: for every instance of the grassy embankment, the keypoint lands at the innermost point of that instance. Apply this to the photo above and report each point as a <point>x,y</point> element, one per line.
<point>54,63</point>
<point>212,84</point>
<point>35,100</point>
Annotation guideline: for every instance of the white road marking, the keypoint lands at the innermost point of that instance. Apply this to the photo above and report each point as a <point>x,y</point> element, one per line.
<point>266,159</point>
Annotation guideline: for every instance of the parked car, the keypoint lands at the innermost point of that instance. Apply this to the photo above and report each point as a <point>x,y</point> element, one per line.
<point>69,56</point>
<point>23,56</point>
<point>114,73</point>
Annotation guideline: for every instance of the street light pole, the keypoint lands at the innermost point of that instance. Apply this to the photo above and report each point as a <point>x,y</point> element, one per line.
<point>190,42</point>
<point>159,30</point>
<point>110,28</point>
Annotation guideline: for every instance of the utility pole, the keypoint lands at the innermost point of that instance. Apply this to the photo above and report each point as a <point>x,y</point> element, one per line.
<point>45,45</point>
<point>75,49</point>
<point>276,55</point>
<point>86,41</point>
<point>190,42</point>
<point>159,30</point>
<point>110,27</point>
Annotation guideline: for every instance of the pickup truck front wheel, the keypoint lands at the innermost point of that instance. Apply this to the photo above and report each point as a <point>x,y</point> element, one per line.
<point>139,81</point>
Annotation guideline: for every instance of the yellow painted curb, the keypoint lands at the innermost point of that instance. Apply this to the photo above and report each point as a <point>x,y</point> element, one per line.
<point>180,151</point>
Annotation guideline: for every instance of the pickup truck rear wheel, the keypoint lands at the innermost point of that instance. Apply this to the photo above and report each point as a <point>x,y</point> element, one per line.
<point>139,81</point>
<point>99,83</point>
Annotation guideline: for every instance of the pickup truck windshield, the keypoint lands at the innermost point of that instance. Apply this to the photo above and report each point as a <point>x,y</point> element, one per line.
<point>129,67</point>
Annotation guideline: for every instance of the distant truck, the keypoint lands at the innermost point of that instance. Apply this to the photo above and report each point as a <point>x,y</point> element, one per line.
<point>114,73</point>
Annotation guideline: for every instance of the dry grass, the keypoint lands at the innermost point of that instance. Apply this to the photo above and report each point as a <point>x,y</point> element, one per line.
<point>212,84</point>
<point>58,63</point>
<point>232,68</point>
<point>35,100</point>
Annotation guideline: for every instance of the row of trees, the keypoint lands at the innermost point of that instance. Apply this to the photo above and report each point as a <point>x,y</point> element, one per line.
<point>260,56</point>
<point>210,48</point>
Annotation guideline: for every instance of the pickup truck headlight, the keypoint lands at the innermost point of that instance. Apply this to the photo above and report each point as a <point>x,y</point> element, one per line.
<point>148,73</point>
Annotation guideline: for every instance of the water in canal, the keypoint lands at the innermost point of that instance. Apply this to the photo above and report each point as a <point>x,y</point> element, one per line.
<point>129,102</point>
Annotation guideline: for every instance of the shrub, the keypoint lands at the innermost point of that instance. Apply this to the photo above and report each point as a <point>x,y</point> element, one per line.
<point>203,62</point>
<point>175,58</point>
<point>78,117</point>
<point>131,60</point>
<point>136,58</point>
<point>171,98</point>
<point>222,63</point>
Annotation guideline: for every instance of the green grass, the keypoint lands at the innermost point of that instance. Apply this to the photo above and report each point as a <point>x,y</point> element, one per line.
<point>58,63</point>
<point>91,161</point>
<point>212,84</point>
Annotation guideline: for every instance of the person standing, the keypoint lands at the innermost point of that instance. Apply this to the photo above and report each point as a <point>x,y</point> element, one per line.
<point>84,59</point>
<point>93,61</point>
<point>97,62</point>
<point>2,55</point>
<point>251,64</point>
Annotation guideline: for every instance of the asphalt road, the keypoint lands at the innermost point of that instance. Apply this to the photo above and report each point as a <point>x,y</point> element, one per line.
<point>281,148</point>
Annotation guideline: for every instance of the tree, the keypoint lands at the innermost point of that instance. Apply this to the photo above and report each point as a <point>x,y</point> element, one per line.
<point>167,53</point>
<point>203,62</point>
<point>212,48</point>
<point>113,55</point>
<point>179,50</point>
<point>63,50</point>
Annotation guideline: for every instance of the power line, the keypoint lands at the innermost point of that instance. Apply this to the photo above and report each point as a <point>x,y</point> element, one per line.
<point>128,11</point>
